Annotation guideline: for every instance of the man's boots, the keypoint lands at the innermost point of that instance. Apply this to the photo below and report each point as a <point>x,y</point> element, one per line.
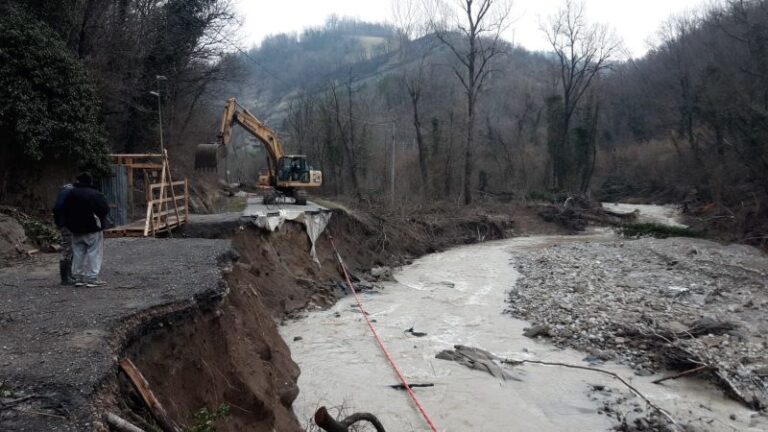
<point>65,270</point>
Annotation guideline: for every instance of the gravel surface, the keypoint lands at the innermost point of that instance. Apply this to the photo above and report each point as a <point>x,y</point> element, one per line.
<point>675,303</point>
<point>57,344</point>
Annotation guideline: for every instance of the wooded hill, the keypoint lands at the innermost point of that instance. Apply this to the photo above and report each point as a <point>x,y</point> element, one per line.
<point>688,122</point>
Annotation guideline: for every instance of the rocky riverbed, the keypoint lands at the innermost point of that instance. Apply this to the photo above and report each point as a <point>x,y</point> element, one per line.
<point>680,304</point>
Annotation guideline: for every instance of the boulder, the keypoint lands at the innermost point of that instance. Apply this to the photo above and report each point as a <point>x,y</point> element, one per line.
<point>11,235</point>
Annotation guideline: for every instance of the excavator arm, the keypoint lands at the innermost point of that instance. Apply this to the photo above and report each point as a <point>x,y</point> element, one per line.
<point>207,154</point>
<point>289,174</point>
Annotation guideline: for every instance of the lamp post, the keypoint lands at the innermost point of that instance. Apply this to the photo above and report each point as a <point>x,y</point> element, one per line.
<point>159,78</point>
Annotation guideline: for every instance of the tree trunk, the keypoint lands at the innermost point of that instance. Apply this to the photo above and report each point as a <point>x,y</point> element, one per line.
<point>468,162</point>
<point>587,178</point>
<point>423,164</point>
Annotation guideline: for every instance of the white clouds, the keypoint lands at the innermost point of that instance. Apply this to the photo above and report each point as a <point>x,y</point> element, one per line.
<point>634,20</point>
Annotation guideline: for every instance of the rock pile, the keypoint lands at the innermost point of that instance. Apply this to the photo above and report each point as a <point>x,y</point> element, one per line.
<point>675,303</point>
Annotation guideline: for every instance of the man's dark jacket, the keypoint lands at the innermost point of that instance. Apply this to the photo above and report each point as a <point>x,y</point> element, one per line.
<point>58,208</point>
<point>83,205</point>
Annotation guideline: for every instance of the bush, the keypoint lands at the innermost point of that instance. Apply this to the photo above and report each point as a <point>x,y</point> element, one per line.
<point>205,420</point>
<point>39,232</point>
<point>657,230</point>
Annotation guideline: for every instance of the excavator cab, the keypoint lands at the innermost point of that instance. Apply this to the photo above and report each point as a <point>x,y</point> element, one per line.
<point>293,168</point>
<point>294,174</point>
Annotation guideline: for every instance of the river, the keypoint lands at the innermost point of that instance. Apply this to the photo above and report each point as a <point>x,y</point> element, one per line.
<point>458,297</point>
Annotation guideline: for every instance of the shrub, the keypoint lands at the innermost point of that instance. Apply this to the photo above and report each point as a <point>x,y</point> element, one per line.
<point>657,230</point>
<point>205,420</point>
<point>49,109</point>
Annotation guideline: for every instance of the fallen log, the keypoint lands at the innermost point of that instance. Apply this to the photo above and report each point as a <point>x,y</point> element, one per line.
<point>329,424</point>
<point>154,405</point>
<point>120,424</point>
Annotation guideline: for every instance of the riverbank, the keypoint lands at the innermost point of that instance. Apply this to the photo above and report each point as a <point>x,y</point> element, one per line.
<point>459,297</point>
<point>676,304</point>
<point>201,329</point>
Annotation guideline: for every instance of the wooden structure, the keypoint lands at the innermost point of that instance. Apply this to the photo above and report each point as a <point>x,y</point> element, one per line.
<point>166,202</point>
<point>155,407</point>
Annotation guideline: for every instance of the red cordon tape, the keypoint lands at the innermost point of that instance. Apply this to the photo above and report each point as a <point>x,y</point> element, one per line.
<point>380,342</point>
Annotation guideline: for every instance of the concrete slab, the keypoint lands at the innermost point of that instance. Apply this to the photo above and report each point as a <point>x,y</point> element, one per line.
<point>256,208</point>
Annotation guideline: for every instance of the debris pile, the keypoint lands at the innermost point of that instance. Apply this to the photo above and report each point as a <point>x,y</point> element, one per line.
<point>653,304</point>
<point>577,211</point>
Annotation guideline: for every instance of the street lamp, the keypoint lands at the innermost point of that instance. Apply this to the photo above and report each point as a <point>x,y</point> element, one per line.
<point>159,78</point>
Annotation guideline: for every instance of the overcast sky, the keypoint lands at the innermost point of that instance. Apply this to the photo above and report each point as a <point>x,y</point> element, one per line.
<point>635,21</point>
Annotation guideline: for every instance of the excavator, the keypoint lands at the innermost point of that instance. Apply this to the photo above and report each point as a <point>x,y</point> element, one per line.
<point>287,175</point>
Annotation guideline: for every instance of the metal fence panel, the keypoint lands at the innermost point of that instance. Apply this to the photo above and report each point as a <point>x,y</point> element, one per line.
<point>115,188</point>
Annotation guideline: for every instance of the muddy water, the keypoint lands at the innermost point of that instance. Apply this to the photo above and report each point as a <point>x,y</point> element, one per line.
<point>662,214</point>
<point>457,297</point>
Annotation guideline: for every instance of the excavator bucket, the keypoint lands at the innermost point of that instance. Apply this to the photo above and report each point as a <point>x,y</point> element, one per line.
<point>207,156</point>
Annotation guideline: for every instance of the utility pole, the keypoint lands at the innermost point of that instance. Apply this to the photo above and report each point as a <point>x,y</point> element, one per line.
<point>157,93</point>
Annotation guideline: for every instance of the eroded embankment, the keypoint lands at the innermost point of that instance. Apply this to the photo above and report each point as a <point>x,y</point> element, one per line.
<point>228,351</point>
<point>59,343</point>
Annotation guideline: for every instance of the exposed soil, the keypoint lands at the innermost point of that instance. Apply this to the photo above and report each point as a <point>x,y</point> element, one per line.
<point>233,353</point>
<point>655,304</point>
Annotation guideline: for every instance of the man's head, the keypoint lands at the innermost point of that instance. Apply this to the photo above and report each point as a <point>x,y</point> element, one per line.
<point>85,178</point>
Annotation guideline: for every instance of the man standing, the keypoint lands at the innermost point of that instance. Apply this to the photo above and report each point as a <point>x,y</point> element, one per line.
<point>65,263</point>
<point>85,210</point>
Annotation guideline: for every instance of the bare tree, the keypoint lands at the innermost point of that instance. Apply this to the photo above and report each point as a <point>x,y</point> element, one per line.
<point>582,51</point>
<point>346,129</point>
<point>407,17</point>
<point>472,31</point>
<point>414,82</point>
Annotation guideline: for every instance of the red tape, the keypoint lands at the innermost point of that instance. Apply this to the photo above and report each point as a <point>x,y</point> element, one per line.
<point>381,343</point>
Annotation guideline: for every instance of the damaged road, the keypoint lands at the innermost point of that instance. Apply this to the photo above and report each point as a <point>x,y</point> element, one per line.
<point>58,344</point>
<point>200,329</point>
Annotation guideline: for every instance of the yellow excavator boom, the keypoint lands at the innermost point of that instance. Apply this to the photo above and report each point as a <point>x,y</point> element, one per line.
<point>287,173</point>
